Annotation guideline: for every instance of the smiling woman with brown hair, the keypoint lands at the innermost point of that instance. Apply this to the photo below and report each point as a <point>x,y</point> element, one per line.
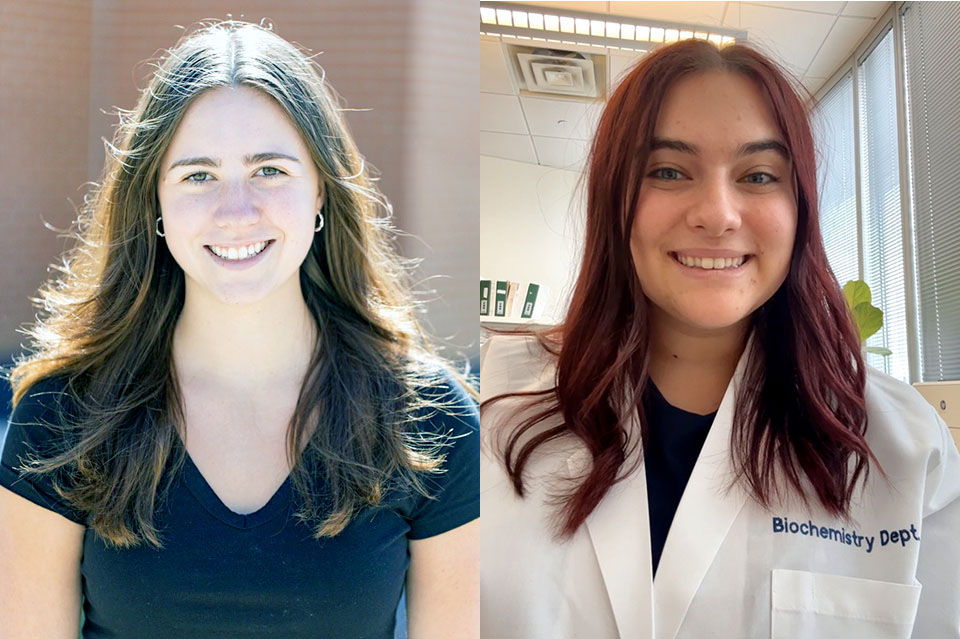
<point>231,423</point>
<point>699,449</point>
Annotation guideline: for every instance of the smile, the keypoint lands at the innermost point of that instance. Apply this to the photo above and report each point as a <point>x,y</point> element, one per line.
<point>710,263</point>
<point>238,253</point>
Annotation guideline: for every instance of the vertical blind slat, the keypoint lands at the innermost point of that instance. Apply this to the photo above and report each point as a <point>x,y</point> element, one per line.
<point>880,163</point>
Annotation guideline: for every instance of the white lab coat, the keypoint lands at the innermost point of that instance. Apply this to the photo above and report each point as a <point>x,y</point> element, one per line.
<point>729,570</point>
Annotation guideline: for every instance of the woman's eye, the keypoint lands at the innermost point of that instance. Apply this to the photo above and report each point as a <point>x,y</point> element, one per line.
<point>270,171</point>
<point>199,178</point>
<point>667,173</point>
<point>760,178</point>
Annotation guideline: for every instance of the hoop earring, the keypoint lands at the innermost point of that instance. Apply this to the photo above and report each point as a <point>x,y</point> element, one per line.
<point>319,222</point>
<point>159,227</point>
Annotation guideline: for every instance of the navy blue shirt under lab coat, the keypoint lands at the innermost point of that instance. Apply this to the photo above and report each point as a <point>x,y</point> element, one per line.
<point>676,437</point>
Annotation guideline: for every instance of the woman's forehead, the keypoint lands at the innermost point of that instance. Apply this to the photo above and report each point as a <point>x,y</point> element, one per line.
<point>235,119</point>
<point>716,110</point>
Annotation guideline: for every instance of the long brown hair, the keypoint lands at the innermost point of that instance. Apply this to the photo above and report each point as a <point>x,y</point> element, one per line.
<point>801,410</point>
<point>107,325</point>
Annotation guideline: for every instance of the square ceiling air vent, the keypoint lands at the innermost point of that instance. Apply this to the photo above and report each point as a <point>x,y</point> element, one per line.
<point>541,71</point>
<point>546,73</point>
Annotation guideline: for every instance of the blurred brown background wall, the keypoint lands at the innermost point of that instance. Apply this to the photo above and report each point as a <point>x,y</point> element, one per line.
<point>65,66</point>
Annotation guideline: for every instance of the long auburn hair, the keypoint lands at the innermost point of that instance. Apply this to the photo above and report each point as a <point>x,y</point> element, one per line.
<point>106,330</point>
<point>800,412</point>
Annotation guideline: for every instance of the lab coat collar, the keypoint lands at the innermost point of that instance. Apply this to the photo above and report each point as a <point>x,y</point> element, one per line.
<point>620,532</point>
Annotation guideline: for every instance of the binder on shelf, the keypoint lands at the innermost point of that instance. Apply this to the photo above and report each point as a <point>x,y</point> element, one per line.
<point>500,299</point>
<point>530,301</point>
<point>513,302</point>
<point>485,297</point>
<point>512,294</point>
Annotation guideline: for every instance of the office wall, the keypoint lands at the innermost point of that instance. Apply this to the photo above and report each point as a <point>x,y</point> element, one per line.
<point>44,121</point>
<point>531,219</point>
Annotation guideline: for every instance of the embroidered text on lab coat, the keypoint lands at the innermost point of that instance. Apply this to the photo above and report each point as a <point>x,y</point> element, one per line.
<point>901,536</point>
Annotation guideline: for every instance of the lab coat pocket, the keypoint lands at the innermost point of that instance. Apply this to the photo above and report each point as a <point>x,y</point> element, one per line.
<point>809,604</point>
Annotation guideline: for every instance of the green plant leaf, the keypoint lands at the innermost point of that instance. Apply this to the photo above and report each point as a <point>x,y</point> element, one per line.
<point>878,350</point>
<point>857,292</point>
<point>869,319</point>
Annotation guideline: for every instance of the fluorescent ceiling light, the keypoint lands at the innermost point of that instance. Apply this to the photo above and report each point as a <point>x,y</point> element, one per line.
<point>592,29</point>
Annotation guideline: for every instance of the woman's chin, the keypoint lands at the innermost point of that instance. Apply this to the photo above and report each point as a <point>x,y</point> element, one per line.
<point>715,318</point>
<point>238,295</point>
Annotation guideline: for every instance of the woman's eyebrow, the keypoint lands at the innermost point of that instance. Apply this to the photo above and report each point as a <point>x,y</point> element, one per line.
<point>764,145</point>
<point>673,145</point>
<point>247,160</point>
<point>745,149</point>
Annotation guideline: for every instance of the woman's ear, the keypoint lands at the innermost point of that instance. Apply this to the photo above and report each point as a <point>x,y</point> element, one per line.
<point>321,197</point>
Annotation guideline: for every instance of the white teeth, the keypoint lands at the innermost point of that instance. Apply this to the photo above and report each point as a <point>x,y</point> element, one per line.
<point>709,263</point>
<point>238,253</point>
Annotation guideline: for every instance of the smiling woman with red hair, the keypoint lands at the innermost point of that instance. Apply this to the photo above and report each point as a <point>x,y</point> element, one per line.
<point>704,415</point>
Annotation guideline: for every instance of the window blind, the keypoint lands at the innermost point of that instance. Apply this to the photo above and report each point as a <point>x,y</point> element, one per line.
<point>836,177</point>
<point>880,196</point>
<point>931,36</point>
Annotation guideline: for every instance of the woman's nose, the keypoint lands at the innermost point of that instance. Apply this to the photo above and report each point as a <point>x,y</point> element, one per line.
<point>236,208</point>
<point>716,209</point>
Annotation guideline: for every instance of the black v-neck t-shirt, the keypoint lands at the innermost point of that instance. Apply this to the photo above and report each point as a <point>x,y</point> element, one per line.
<point>221,574</point>
<point>676,437</point>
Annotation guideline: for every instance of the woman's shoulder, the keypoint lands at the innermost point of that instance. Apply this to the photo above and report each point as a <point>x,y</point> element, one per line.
<point>521,364</point>
<point>516,363</point>
<point>47,407</point>
<point>445,394</point>
<point>448,425</point>
<point>445,413</point>
<point>39,421</point>
<point>37,429</point>
<point>902,425</point>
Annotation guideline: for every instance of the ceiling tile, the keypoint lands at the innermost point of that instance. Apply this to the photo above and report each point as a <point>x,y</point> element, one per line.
<point>494,75</point>
<point>702,13</point>
<point>560,153</point>
<point>618,64</point>
<point>561,118</point>
<point>813,84</point>
<point>866,9</point>
<point>501,113</point>
<point>832,8</point>
<point>846,34</point>
<point>791,37</point>
<point>508,146</point>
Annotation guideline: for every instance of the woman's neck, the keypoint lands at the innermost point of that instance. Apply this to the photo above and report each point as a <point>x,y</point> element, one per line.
<point>269,342</point>
<point>692,368</point>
